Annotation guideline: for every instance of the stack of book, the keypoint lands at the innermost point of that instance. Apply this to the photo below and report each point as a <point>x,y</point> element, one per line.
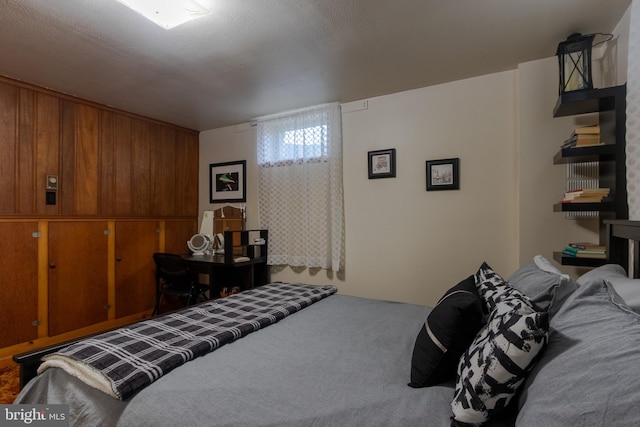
<point>583,137</point>
<point>585,250</point>
<point>585,195</point>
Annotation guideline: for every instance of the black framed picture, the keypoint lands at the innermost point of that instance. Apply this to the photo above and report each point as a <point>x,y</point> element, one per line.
<point>443,174</point>
<point>228,182</point>
<point>382,163</point>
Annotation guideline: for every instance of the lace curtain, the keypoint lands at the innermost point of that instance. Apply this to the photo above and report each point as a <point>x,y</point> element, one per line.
<point>300,182</point>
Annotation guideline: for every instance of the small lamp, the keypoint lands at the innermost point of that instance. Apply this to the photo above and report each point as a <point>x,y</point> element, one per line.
<point>574,60</point>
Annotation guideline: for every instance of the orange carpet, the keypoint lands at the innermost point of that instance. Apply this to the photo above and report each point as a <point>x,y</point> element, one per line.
<point>9,383</point>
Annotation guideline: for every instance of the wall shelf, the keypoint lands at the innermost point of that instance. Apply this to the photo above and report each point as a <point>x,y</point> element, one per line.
<point>585,154</point>
<point>588,101</point>
<point>610,104</point>
<point>579,262</point>
<point>607,206</point>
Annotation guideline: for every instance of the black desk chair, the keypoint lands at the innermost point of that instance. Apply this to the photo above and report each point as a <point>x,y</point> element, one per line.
<point>175,278</point>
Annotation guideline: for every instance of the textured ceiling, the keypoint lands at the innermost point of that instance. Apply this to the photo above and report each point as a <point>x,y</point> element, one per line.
<point>256,57</point>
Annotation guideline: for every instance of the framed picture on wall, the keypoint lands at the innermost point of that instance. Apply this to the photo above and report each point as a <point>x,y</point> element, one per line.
<point>382,163</point>
<point>443,174</point>
<point>228,182</point>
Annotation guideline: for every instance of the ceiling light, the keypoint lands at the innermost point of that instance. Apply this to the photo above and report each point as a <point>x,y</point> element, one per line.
<point>168,13</point>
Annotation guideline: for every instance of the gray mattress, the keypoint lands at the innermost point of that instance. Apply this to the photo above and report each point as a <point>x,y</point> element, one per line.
<point>342,361</point>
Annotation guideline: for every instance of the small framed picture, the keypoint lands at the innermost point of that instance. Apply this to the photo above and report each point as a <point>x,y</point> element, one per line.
<point>443,174</point>
<point>382,163</point>
<point>228,182</point>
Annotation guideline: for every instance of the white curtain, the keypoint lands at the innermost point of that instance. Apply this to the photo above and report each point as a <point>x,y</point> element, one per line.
<point>300,182</point>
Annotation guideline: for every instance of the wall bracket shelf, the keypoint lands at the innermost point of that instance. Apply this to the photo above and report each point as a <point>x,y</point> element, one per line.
<point>610,105</point>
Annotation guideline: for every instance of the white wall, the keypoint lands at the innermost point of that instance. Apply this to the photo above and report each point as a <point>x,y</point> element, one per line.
<point>541,230</point>
<point>406,244</point>
<point>402,242</point>
<point>225,145</point>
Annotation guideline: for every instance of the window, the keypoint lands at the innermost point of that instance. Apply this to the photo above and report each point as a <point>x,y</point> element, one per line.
<point>300,187</point>
<point>297,145</point>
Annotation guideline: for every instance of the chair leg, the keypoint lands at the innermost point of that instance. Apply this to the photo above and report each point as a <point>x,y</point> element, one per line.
<point>157,307</point>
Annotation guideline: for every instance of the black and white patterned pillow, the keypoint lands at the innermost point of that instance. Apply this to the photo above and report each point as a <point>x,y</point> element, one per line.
<point>493,289</point>
<point>496,364</point>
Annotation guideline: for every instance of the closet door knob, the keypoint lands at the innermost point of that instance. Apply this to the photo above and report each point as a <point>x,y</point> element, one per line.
<point>52,266</point>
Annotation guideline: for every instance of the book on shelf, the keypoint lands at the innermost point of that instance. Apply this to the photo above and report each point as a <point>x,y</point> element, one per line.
<point>572,250</point>
<point>585,250</point>
<point>584,136</point>
<point>587,130</point>
<point>585,195</point>
<point>582,140</point>
<point>583,199</point>
<point>587,246</point>
<point>585,255</point>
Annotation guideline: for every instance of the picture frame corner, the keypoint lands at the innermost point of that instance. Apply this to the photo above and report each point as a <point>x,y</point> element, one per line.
<point>381,163</point>
<point>443,174</point>
<point>228,191</point>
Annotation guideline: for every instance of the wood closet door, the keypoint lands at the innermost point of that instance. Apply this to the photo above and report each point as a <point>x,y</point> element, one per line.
<point>18,282</point>
<point>177,233</point>
<point>136,241</point>
<point>78,275</point>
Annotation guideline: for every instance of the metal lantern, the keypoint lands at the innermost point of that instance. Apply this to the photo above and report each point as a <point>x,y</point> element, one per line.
<point>574,59</point>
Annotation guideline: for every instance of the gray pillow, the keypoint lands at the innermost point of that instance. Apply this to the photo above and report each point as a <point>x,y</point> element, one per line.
<point>588,375</point>
<point>628,289</point>
<point>544,284</point>
<point>493,288</point>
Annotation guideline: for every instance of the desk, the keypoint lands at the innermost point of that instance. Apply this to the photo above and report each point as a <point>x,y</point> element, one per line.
<point>245,274</point>
<point>619,233</point>
<point>224,271</point>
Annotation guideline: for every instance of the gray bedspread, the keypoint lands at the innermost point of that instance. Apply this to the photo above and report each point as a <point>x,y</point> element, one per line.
<point>122,361</point>
<point>343,361</point>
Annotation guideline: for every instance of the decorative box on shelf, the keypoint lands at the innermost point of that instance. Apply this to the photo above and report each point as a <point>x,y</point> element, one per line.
<point>252,246</point>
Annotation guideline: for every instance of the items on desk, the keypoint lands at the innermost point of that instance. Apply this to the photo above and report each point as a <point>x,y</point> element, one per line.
<point>219,243</point>
<point>200,244</point>
<point>226,291</point>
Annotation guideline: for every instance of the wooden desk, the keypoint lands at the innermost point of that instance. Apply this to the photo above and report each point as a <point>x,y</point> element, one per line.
<point>245,274</point>
<point>223,271</point>
<point>620,232</point>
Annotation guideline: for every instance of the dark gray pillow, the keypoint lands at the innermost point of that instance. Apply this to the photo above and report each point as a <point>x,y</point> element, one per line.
<point>544,284</point>
<point>449,329</point>
<point>589,373</point>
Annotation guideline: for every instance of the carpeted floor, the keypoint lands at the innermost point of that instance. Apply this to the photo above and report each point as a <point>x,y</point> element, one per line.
<point>9,383</point>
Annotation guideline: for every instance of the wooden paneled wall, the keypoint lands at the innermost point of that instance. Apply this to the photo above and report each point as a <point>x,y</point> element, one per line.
<point>109,163</point>
<point>127,187</point>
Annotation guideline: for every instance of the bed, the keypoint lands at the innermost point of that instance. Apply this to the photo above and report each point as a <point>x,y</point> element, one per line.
<point>344,360</point>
